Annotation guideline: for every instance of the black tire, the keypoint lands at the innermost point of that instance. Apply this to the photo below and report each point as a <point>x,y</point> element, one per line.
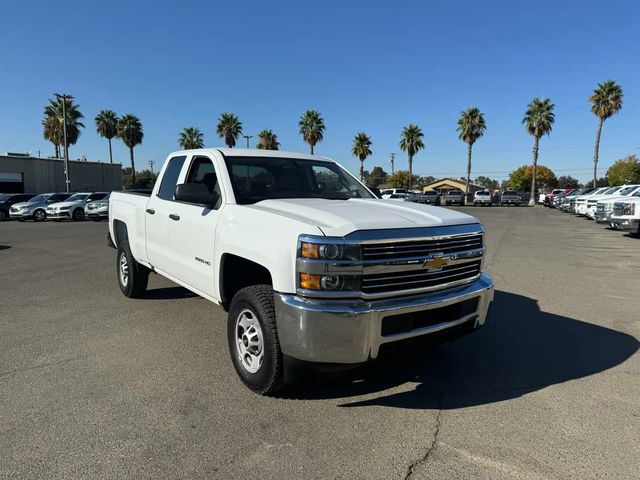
<point>78,215</point>
<point>134,284</point>
<point>39,215</point>
<point>3,216</point>
<point>258,301</point>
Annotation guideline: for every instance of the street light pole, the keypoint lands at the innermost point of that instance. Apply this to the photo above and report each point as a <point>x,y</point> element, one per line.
<point>392,161</point>
<point>247,137</point>
<point>64,132</point>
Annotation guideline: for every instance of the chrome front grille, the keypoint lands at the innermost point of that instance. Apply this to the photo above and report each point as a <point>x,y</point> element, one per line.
<point>618,209</point>
<point>600,207</point>
<point>420,248</point>
<point>421,279</point>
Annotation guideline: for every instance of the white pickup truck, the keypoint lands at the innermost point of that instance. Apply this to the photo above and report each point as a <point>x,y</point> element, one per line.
<point>309,265</point>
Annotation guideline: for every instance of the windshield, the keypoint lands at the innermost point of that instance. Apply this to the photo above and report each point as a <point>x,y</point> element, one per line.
<point>256,179</point>
<point>628,190</point>
<point>39,198</point>
<point>4,198</point>
<point>78,197</point>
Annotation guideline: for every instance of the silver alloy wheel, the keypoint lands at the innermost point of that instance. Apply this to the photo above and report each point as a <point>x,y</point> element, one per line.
<point>249,341</point>
<point>39,215</point>
<point>124,269</point>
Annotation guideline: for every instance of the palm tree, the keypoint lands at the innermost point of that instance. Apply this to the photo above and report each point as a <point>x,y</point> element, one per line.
<point>107,127</point>
<point>131,134</point>
<point>411,142</point>
<point>538,121</point>
<point>229,128</point>
<point>53,122</point>
<point>311,127</point>
<point>471,127</point>
<point>361,149</point>
<point>191,138</point>
<point>606,101</point>
<point>267,140</point>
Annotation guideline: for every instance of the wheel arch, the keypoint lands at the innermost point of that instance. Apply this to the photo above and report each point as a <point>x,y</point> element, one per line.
<point>237,272</point>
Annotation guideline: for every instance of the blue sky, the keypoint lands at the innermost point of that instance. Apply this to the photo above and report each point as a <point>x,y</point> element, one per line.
<point>366,66</point>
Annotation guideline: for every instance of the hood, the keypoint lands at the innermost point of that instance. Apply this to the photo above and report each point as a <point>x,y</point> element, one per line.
<point>616,198</point>
<point>342,217</point>
<point>26,204</point>
<point>65,204</point>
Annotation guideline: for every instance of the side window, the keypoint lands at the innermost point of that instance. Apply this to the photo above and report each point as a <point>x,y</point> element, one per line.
<point>170,178</point>
<point>202,172</point>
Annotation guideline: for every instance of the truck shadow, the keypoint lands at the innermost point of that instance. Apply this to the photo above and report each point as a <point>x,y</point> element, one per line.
<point>5,247</point>
<point>521,350</point>
<point>168,293</point>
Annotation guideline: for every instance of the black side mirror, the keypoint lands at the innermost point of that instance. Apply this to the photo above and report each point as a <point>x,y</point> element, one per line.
<point>196,193</point>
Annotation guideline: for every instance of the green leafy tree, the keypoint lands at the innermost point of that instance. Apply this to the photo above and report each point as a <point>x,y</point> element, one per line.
<point>471,126</point>
<point>400,179</point>
<point>267,140</point>
<point>131,133</point>
<point>411,142</point>
<point>376,177</point>
<point>191,138</point>
<point>107,127</point>
<point>229,128</point>
<point>606,101</point>
<point>362,149</point>
<point>521,178</point>
<point>538,121</point>
<point>488,183</point>
<point>311,127</point>
<point>53,122</point>
<point>567,181</point>
<point>422,181</point>
<point>625,170</point>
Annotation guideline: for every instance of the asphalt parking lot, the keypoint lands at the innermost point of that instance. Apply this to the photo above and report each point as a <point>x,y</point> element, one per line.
<point>95,385</point>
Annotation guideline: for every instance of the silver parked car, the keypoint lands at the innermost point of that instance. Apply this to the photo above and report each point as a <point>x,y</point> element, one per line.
<point>454,196</point>
<point>36,207</point>
<point>97,210</point>
<point>73,207</point>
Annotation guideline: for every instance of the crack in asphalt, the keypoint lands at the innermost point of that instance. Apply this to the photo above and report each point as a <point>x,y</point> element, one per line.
<point>431,448</point>
<point>42,365</point>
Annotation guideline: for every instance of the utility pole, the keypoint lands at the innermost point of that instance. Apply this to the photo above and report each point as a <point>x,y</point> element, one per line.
<point>392,161</point>
<point>247,137</point>
<point>151,163</point>
<point>64,98</point>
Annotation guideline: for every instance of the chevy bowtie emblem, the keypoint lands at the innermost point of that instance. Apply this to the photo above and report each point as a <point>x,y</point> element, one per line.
<point>435,263</point>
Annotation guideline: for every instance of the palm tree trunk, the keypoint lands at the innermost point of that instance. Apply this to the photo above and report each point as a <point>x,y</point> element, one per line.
<point>133,167</point>
<point>532,200</point>
<point>362,171</point>
<point>410,171</point>
<point>596,153</point>
<point>57,150</point>
<point>110,154</point>
<point>470,146</point>
<point>311,144</point>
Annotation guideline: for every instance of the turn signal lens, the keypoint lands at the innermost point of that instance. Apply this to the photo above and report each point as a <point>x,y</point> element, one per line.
<point>309,281</point>
<point>309,250</point>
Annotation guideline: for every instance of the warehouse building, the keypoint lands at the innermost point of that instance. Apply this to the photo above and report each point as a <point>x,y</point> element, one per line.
<point>22,173</point>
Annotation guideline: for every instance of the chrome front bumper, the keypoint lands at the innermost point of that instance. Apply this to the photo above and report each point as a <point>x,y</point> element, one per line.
<point>603,216</point>
<point>628,223</point>
<point>350,331</point>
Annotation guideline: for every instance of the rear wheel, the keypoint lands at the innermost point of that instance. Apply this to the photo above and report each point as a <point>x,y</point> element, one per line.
<point>78,215</point>
<point>132,277</point>
<point>39,215</point>
<point>253,339</point>
<point>3,216</point>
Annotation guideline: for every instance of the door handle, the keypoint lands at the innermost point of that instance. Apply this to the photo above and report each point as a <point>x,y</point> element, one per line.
<point>173,216</point>
<point>150,211</point>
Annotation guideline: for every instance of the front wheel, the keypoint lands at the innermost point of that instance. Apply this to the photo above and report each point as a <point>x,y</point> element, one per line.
<point>132,277</point>
<point>253,339</point>
<point>3,216</point>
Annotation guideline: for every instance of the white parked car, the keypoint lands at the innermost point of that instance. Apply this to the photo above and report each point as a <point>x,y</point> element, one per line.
<point>482,197</point>
<point>73,207</point>
<point>592,200</point>
<point>309,265</point>
<point>401,197</point>
<point>626,214</point>
<point>97,210</point>
<point>604,207</point>
<point>387,192</point>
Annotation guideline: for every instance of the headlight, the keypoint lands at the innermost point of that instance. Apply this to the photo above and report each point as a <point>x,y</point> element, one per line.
<point>326,248</point>
<point>309,281</point>
<point>629,209</point>
<point>64,208</point>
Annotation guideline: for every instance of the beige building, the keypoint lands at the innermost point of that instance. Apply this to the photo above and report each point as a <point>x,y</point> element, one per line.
<point>446,184</point>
